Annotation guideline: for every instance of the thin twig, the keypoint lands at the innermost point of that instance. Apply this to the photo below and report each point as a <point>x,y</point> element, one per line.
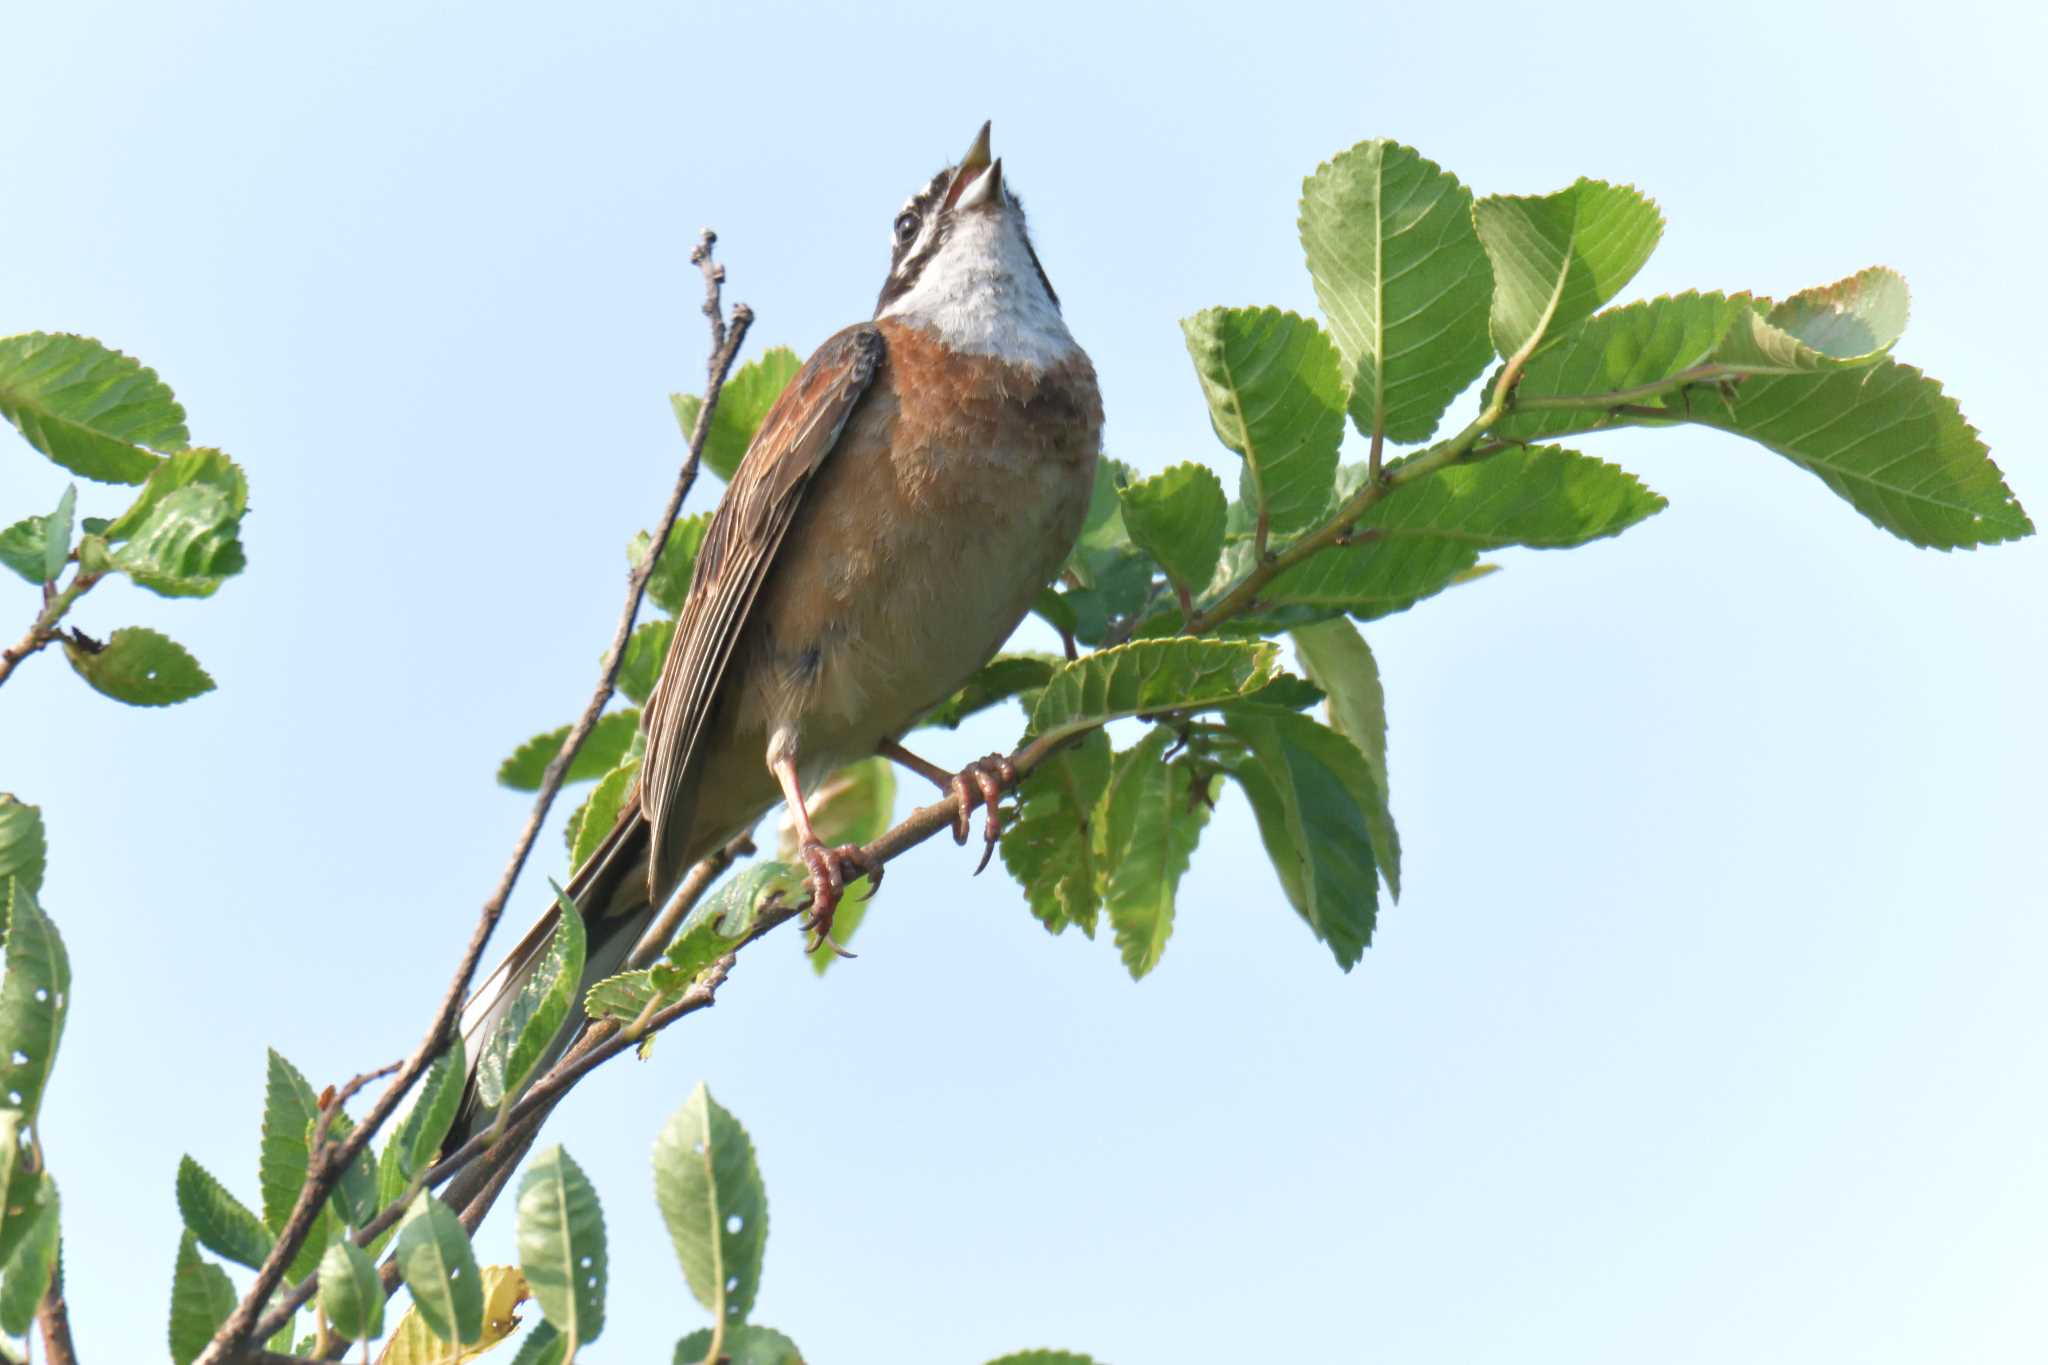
<point>326,1165</point>
<point>44,630</point>
<point>53,1315</point>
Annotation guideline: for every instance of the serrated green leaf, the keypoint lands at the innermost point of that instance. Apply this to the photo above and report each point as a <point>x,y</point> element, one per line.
<point>289,1108</point>
<point>543,1346</point>
<point>436,1262</point>
<point>140,667</point>
<point>620,997</point>
<point>609,739</point>
<point>1370,580</point>
<point>1003,677</point>
<point>202,1296</point>
<point>670,581</point>
<point>350,1293</point>
<point>416,1139</point>
<point>646,651</point>
<point>597,815</point>
<point>1148,676</point>
<point>744,1344</point>
<point>711,1196</point>
<point>1044,1358</point>
<point>354,1200</point>
<point>562,1244</point>
<point>31,1260</point>
<point>21,547</point>
<point>24,851</point>
<point>1150,820</point>
<point>1885,438</point>
<point>33,1000</point>
<point>1049,846</point>
<point>742,405</point>
<point>1401,276</point>
<point>1337,657</point>
<point>1835,326</point>
<point>1309,789</point>
<point>853,806</point>
<point>523,1036</point>
<point>1541,496</point>
<point>1113,575</point>
<point>89,408</point>
<point>1557,257</point>
<point>722,919</point>
<point>221,1222</point>
<point>180,538</point>
<point>1178,518</point>
<point>1276,396</point>
<point>57,534</point>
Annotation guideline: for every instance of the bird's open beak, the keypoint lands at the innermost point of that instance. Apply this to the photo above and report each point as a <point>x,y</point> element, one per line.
<point>979,181</point>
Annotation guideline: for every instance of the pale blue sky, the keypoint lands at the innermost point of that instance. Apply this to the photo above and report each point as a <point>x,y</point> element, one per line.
<point>1711,1027</point>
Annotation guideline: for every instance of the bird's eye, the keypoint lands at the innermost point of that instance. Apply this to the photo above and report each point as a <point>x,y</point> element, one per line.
<point>906,225</point>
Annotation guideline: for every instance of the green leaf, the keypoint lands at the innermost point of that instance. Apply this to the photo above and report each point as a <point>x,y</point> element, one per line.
<point>1043,1358</point>
<point>710,1192</point>
<point>87,407</point>
<point>522,1038</point>
<point>289,1109</point>
<point>138,666</point>
<point>1150,676</point>
<point>1557,257</point>
<point>670,582</point>
<point>620,997</point>
<point>1542,496</point>
<point>609,739</point>
<point>1114,576</point>
<point>1151,820</point>
<point>1003,677</point>
<point>1178,517</point>
<point>1886,438</point>
<point>21,547</point>
<point>646,651</point>
<point>30,1262</point>
<point>1402,279</point>
<point>543,1346</point>
<point>181,534</point>
<point>33,1000</point>
<point>562,1244</point>
<point>416,1138</point>
<point>1276,397</point>
<point>413,1341</point>
<point>436,1262</point>
<point>1377,578</point>
<point>744,1344</point>
<point>595,818</point>
<point>742,405</point>
<point>853,806</point>
<point>1835,326</point>
<point>202,1296</point>
<point>354,1200</point>
<point>1337,657</point>
<point>57,534</point>
<point>1049,846</point>
<point>23,848</point>
<point>722,919</point>
<point>221,1222</point>
<point>1309,789</point>
<point>350,1294</point>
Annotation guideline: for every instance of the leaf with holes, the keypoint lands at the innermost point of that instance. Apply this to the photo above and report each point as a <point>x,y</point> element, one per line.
<point>853,806</point>
<point>592,823</point>
<point>1147,677</point>
<point>742,406</point>
<point>1843,325</point>
<point>1557,257</point>
<point>1151,818</point>
<point>712,1199</point>
<point>202,1296</point>
<point>139,666</point>
<point>1340,662</point>
<point>523,1036</point>
<point>31,1260</point>
<point>609,740</point>
<point>562,1244</point>
<point>1309,789</point>
<point>413,1342</point>
<point>743,1344</point>
<point>436,1262</point>
<point>33,1000</point>
<point>646,652</point>
<point>1276,397</point>
<point>1049,846</point>
<point>669,584</point>
<point>23,848</point>
<point>181,536</point>
<point>1001,678</point>
<point>1542,496</point>
<point>351,1295</point>
<point>91,409</point>
<point>289,1108</point>
<point>1403,280</point>
<point>221,1222</point>
<point>1178,518</point>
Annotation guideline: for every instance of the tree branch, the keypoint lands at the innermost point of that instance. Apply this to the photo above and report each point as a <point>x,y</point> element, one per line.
<point>44,629</point>
<point>53,1315</point>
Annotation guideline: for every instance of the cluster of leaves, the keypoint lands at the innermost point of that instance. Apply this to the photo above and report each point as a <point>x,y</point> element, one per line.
<point>1422,288</point>
<point>105,417</point>
<point>35,993</point>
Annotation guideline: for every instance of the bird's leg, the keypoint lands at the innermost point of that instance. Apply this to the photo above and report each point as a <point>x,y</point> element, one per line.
<point>830,868</point>
<point>984,781</point>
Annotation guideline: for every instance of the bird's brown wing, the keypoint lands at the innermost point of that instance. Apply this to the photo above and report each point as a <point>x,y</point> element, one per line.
<point>736,558</point>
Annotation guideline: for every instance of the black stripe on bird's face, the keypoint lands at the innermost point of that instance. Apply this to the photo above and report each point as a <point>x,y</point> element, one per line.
<point>923,227</point>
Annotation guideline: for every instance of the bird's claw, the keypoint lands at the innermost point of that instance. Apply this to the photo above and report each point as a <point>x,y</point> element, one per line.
<point>830,870</point>
<point>982,782</point>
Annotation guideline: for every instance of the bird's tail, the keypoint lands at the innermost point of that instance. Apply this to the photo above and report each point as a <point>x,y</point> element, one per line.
<point>610,891</point>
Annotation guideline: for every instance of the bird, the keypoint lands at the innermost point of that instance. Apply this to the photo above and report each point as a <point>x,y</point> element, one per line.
<point>920,480</point>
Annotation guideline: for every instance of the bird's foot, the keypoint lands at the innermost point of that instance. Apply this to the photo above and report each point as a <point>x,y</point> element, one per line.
<point>982,782</point>
<point>831,869</point>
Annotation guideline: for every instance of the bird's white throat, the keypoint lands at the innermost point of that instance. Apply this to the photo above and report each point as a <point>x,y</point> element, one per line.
<point>982,294</point>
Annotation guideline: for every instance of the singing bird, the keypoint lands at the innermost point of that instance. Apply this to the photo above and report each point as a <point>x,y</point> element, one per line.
<point>919,481</point>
